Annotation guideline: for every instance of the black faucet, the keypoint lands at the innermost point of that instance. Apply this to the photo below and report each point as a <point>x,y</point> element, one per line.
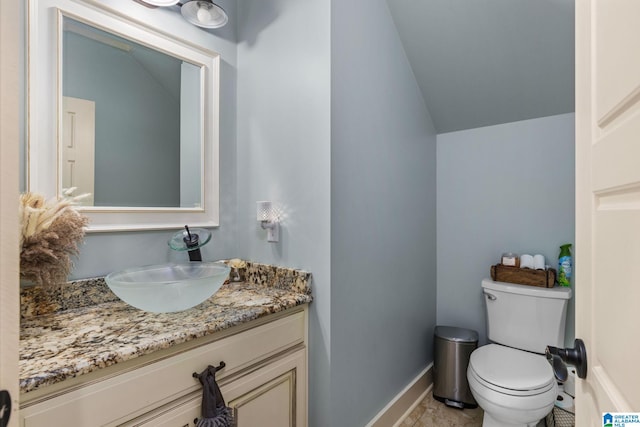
<point>192,241</point>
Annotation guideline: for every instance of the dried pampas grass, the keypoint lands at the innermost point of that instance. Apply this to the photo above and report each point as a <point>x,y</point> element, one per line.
<point>50,233</point>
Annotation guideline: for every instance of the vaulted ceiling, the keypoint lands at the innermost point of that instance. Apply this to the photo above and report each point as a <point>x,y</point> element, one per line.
<point>486,62</point>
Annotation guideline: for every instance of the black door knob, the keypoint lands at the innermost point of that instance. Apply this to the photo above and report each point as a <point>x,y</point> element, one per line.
<point>5,408</point>
<point>576,356</point>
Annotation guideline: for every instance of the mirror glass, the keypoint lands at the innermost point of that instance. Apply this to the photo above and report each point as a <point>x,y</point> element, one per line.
<point>131,122</point>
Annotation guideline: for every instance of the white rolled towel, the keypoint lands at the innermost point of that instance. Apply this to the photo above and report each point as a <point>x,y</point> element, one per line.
<point>526,261</point>
<point>538,262</point>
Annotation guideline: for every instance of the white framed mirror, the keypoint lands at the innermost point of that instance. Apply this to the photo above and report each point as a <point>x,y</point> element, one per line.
<point>125,113</point>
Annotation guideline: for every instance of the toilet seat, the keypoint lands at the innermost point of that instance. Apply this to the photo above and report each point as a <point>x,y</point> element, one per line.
<point>513,387</point>
<point>509,371</point>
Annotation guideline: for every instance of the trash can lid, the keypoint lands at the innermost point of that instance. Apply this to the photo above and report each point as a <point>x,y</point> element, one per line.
<point>451,333</point>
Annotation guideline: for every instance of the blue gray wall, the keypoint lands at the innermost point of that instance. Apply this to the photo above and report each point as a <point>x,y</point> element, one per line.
<point>283,155</point>
<point>190,136</point>
<point>482,63</point>
<point>137,123</point>
<point>504,188</point>
<point>383,215</point>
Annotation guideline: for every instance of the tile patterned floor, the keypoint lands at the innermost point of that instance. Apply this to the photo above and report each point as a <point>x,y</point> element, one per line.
<point>431,413</point>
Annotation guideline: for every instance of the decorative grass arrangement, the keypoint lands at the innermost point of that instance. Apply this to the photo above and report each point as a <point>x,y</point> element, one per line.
<point>50,233</point>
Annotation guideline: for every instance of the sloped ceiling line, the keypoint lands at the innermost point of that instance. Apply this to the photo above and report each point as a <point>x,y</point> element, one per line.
<point>486,62</point>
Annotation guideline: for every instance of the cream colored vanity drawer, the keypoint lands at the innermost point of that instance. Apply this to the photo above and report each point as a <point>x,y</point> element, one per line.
<point>123,397</point>
<point>271,396</point>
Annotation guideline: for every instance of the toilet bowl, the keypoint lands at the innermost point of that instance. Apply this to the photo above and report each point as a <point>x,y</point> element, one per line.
<point>513,387</point>
<point>510,378</point>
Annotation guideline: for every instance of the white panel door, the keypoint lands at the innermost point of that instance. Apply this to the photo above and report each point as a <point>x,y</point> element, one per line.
<point>78,146</point>
<point>608,206</point>
<point>9,170</point>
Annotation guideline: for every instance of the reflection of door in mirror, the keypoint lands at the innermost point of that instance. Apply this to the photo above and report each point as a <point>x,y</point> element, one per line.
<point>78,146</point>
<point>148,139</point>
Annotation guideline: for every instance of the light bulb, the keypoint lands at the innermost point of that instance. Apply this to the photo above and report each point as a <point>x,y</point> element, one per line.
<point>203,15</point>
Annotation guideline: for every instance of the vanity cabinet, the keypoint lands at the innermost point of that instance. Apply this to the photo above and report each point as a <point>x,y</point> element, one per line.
<point>268,397</point>
<point>264,380</point>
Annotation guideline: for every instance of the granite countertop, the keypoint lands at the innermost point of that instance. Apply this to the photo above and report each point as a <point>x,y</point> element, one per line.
<point>82,327</point>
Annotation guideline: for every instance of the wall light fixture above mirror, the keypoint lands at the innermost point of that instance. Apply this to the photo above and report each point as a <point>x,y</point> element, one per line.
<point>124,112</point>
<point>203,13</point>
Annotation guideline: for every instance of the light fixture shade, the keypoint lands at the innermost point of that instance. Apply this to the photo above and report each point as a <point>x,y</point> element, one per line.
<point>161,3</point>
<point>204,13</point>
<point>265,211</point>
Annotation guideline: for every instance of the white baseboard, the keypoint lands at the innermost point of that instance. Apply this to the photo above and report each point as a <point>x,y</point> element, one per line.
<point>404,402</point>
<point>414,405</point>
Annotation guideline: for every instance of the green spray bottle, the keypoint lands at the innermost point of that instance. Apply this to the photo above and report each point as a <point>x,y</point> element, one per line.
<point>564,265</point>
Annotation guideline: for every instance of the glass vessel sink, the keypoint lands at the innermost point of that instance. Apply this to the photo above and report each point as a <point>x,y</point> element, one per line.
<point>167,288</point>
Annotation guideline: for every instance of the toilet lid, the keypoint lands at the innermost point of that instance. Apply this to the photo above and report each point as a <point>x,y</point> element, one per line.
<point>511,369</point>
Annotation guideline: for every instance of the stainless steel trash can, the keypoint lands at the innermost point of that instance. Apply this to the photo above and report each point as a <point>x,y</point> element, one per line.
<point>452,350</point>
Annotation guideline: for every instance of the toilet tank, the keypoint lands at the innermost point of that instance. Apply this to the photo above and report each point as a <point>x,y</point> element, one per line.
<point>525,317</point>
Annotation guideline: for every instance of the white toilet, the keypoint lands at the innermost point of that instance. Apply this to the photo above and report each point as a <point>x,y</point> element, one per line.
<point>511,379</point>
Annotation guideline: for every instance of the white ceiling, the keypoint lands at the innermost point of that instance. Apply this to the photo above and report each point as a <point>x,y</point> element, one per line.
<point>486,62</point>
